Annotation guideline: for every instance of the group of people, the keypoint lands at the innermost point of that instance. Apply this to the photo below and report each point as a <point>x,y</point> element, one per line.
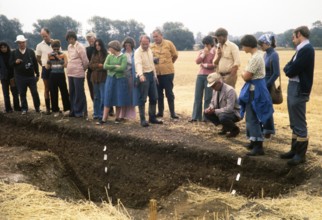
<point>219,62</point>
<point>124,77</point>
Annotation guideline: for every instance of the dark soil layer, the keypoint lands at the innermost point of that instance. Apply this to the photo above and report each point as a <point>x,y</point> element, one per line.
<point>144,163</point>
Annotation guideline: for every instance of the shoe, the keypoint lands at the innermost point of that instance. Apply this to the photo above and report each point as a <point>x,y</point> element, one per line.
<point>192,120</point>
<point>24,112</point>
<point>144,124</point>
<point>56,114</point>
<point>174,116</point>
<point>159,115</point>
<point>288,155</point>
<point>8,111</point>
<point>100,122</point>
<point>233,133</point>
<point>66,113</point>
<point>222,132</point>
<point>119,120</point>
<point>17,109</point>
<point>47,112</point>
<point>155,121</point>
<point>37,110</point>
<point>296,160</point>
<point>250,145</point>
<point>256,153</point>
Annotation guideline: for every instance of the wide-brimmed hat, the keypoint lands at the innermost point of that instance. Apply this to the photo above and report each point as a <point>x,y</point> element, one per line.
<point>213,78</point>
<point>21,38</point>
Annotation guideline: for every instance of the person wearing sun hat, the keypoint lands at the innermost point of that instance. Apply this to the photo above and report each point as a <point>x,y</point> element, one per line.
<point>223,108</point>
<point>26,73</point>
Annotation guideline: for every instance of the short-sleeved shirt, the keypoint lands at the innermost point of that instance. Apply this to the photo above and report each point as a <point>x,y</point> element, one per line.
<point>229,58</point>
<point>256,66</point>
<point>42,50</point>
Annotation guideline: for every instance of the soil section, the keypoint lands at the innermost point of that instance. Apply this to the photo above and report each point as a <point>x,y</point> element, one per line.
<point>141,163</point>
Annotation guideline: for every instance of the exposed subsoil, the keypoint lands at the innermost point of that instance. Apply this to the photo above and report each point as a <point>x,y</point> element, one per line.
<point>78,159</point>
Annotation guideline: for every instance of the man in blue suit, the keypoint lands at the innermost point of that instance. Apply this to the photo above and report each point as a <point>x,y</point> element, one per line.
<point>300,73</point>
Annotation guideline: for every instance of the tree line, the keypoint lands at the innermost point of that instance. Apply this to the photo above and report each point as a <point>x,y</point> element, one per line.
<point>107,30</point>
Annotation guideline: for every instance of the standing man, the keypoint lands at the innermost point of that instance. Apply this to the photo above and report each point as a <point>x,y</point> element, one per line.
<point>42,51</point>
<point>26,73</point>
<point>227,58</point>
<point>223,108</point>
<point>145,72</point>
<point>300,73</point>
<point>165,55</point>
<point>90,37</point>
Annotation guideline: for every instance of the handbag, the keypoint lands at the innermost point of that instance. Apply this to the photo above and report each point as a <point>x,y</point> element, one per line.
<point>276,93</point>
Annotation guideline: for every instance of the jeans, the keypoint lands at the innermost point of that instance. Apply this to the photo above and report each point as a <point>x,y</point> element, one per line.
<point>23,82</point>
<point>6,95</point>
<point>296,105</point>
<point>200,89</point>
<point>148,88</point>
<point>58,81</point>
<point>98,99</point>
<point>253,125</point>
<point>78,104</point>
<point>165,83</point>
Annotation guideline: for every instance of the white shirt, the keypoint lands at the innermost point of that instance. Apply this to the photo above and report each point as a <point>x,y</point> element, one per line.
<point>43,49</point>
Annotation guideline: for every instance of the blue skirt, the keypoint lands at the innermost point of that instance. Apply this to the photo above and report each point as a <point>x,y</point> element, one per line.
<point>117,92</point>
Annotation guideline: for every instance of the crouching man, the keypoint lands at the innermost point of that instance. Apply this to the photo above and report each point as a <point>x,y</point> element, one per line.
<point>223,108</point>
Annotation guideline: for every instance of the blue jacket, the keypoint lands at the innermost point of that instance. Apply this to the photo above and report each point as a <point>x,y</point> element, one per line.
<point>262,102</point>
<point>303,67</point>
<point>272,66</point>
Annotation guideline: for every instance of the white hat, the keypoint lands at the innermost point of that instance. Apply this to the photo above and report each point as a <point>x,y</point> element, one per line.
<point>21,38</point>
<point>212,78</point>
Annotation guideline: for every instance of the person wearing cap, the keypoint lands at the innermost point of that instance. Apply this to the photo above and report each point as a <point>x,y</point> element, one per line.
<point>223,108</point>
<point>116,85</point>
<point>26,73</point>
<point>90,37</point>
<point>77,64</point>
<point>7,79</point>
<point>227,60</point>
<point>300,71</point>
<point>165,55</point>
<point>254,97</point>
<point>147,81</point>
<point>272,68</point>
<point>205,60</point>
<point>42,51</point>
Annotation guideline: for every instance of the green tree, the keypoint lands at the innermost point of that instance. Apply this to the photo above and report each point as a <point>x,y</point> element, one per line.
<point>9,30</point>
<point>108,30</point>
<point>101,27</point>
<point>181,37</point>
<point>58,27</point>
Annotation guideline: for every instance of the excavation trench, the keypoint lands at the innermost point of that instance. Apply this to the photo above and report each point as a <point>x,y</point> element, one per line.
<point>136,164</point>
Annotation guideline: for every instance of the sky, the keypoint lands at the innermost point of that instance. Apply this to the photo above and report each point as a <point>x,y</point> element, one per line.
<point>238,17</point>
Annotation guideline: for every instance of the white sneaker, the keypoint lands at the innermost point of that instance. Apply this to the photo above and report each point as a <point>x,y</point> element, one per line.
<point>66,113</point>
<point>56,114</point>
<point>24,112</point>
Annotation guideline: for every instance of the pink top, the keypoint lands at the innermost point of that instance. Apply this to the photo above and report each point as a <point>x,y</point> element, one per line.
<point>206,61</point>
<point>78,61</point>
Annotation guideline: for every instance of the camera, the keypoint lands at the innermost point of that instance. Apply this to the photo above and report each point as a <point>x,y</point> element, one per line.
<point>156,60</point>
<point>28,66</point>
